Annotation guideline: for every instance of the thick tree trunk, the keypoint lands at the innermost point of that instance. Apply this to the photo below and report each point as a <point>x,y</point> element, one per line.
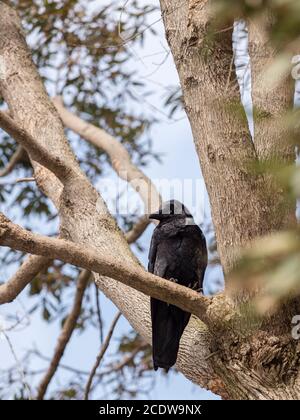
<point>219,124</point>
<point>264,363</point>
<point>272,97</point>
<point>242,208</point>
<point>272,94</point>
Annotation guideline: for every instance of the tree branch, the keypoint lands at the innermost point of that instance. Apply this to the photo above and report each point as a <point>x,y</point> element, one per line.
<point>99,315</point>
<point>15,159</point>
<point>30,268</point>
<point>65,334</point>
<point>37,151</point>
<point>126,360</point>
<point>34,264</point>
<point>119,156</point>
<point>133,275</point>
<point>137,230</point>
<point>101,355</point>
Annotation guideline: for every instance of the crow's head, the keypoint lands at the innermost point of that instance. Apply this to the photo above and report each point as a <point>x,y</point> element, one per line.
<point>170,210</point>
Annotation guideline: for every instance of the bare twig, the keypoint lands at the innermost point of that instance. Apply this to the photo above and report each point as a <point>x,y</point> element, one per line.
<point>229,73</point>
<point>126,360</point>
<point>19,180</point>
<point>65,334</point>
<point>99,315</point>
<point>212,354</point>
<point>108,369</point>
<point>15,159</point>
<point>101,355</point>
<point>61,365</point>
<point>26,386</point>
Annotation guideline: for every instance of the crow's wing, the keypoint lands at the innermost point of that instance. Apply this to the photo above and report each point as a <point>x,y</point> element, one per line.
<point>152,252</point>
<point>158,263</point>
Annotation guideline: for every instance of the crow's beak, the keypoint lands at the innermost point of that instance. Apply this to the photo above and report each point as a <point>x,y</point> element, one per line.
<point>156,216</point>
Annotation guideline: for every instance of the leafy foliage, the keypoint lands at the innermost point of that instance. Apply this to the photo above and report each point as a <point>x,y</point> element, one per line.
<point>285,28</point>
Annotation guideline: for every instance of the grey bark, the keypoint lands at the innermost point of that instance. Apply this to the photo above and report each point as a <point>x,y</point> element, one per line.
<point>272,97</point>
<point>249,363</point>
<point>242,206</point>
<point>222,138</point>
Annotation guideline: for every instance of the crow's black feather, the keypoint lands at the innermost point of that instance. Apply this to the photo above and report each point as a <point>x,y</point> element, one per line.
<point>178,253</point>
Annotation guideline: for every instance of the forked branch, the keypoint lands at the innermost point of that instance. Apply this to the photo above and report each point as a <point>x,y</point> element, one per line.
<point>131,274</point>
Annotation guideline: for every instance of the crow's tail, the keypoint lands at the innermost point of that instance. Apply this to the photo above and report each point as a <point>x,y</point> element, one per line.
<point>168,324</point>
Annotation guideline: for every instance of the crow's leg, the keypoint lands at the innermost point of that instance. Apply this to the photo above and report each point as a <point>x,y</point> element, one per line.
<point>173,281</point>
<point>195,287</point>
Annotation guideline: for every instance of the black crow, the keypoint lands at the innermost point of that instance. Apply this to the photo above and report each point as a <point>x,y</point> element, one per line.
<point>178,253</point>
